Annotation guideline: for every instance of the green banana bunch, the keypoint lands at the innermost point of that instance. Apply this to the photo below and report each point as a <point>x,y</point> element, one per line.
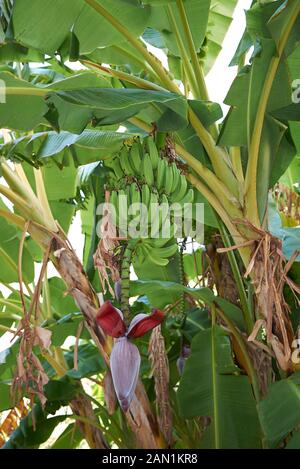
<point>158,181</point>
<point>142,161</point>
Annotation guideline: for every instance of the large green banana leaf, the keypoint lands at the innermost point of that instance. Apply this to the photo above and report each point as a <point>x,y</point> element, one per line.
<point>220,393</point>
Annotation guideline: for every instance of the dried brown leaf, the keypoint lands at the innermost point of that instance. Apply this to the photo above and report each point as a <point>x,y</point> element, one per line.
<point>160,369</point>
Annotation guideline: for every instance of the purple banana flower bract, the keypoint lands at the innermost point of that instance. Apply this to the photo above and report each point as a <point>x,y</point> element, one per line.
<point>125,359</point>
<point>125,365</point>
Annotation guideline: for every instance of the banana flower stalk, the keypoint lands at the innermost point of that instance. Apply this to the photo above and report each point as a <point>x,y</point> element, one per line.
<point>125,358</point>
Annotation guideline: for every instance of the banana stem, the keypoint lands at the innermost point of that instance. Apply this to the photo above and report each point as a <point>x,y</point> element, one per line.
<point>236,161</point>
<point>58,368</point>
<point>216,154</point>
<point>212,200</point>
<point>218,157</point>
<point>245,252</point>
<point>11,305</point>
<point>199,75</point>
<point>26,91</point>
<point>241,342</point>
<point>190,75</point>
<point>135,59</point>
<point>125,281</point>
<point>43,200</point>
<point>13,218</point>
<point>202,90</point>
<point>155,64</point>
<point>7,329</point>
<point>238,279</point>
<point>47,297</point>
<point>182,277</point>
<point>255,137</point>
<point>137,81</point>
<point>21,195</point>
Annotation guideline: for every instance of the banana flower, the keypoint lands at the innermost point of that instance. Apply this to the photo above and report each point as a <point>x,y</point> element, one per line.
<point>125,358</point>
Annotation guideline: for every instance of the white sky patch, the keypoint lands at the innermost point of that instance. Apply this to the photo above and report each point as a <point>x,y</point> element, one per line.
<point>221,76</point>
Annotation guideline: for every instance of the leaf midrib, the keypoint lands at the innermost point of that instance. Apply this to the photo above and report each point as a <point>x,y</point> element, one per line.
<point>215,392</point>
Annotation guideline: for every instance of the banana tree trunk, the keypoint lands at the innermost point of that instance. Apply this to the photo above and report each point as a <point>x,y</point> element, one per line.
<point>82,407</point>
<point>267,268</point>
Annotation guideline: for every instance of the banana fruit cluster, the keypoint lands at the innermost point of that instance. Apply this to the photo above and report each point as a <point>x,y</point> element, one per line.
<point>141,176</point>
<point>141,164</point>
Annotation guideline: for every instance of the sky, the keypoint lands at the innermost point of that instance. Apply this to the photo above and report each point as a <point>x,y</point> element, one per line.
<point>221,75</point>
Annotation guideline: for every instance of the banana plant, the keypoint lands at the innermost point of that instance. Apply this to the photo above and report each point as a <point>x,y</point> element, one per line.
<point>120,111</point>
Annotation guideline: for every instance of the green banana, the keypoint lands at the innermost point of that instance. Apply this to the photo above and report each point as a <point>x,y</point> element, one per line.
<point>180,190</point>
<point>164,199</point>
<point>145,198</point>
<point>146,195</point>
<point>169,178</point>
<point>188,198</point>
<point>123,209</point>
<point>140,253</point>
<point>135,198</point>
<point>176,177</point>
<point>152,150</point>
<point>135,157</point>
<point>153,198</point>
<point>148,170</point>
<point>159,217</point>
<point>152,214</point>
<point>116,167</point>
<point>128,195</point>
<point>163,213</point>
<point>159,242</point>
<point>166,251</point>
<point>125,162</point>
<point>154,257</point>
<point>135,195</point>
<point>161,170</point>
<point>112,180</point>
<point>114,201</point>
